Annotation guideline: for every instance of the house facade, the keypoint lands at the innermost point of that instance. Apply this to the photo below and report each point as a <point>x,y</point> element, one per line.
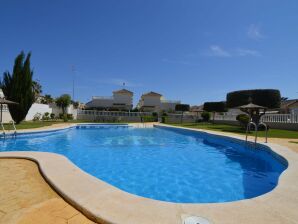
<point>289,106</point>
<point>154,102</point>
<point>121,100</point>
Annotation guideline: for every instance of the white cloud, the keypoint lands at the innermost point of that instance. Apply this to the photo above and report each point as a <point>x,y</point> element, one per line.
<point>254,32</point>
<point>247,52</point>
<point>217,51</point>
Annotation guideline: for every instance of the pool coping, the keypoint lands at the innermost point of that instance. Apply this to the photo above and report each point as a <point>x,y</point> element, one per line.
<point>108,204</point>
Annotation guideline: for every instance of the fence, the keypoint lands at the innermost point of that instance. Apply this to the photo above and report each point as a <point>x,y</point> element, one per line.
<point>111,116</point>
<point>272,118</point>
<point>280,118</point>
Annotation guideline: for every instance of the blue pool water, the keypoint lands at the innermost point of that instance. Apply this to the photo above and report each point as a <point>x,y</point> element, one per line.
<point>161,163</point>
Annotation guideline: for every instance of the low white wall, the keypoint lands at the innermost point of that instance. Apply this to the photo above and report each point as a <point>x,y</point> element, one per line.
<point>37,108</point>
<point>6,117</point>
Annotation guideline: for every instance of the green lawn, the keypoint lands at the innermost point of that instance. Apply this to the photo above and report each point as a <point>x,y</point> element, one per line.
<point>37,124</point>
<point>273,133</point>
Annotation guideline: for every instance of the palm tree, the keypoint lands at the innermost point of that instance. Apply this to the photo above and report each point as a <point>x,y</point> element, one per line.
<point>63,102</point>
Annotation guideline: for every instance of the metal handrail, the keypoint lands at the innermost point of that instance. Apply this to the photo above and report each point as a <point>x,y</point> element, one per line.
<point>14,127</point>
<point>266,130</point>
<point>3,129</point>
<point>248,129</point>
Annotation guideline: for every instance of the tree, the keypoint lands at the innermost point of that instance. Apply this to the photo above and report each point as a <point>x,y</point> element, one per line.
<point>75,104</point>
<point>18,87</point>
<point>182,108</point>
<point>268,98</point>
<point>37,88</point>
<point>215,107</point>
<point>63,102</point>
<point>47,99</point>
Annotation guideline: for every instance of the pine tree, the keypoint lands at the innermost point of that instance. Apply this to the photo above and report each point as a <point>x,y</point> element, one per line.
<point>18,87</point>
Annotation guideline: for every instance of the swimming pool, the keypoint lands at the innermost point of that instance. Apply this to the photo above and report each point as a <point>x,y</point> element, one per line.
<point>165,164</point>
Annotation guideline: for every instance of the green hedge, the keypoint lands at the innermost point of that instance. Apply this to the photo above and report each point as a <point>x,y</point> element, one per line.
<point>269,98</point>
<point>215,106</point>
<point>182,107</point>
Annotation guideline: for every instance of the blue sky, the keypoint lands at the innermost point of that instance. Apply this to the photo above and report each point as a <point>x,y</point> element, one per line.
<point>192,50</point>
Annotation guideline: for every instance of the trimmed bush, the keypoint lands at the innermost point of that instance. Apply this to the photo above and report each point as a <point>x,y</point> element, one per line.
<point>69,117</point>
<point>215,106</point>
<point>148,118</point>
<point>163,117</point>
<point>263,97</point>
<point>205,116</point>
<point>182,107</point>
<point>37,117</point>
<point>52,116</point>
<point>243,119</point>
<point>46,116</point>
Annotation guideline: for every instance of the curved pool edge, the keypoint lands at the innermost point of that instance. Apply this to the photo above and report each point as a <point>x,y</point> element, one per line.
<point>108,204</point>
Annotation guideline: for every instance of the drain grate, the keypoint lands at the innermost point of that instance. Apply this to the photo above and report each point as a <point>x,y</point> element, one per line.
<point>195,220</point>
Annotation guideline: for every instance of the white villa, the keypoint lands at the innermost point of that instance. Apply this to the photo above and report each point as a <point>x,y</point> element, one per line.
<point>121,100</point>
<point>155,102</point>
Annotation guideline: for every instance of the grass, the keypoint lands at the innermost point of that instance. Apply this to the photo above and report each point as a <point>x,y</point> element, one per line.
<point>293,142</point>
<point>272,133</point>
<point>37,124</point>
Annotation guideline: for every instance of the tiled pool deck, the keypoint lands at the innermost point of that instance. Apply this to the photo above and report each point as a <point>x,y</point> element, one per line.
<point>106,204</point>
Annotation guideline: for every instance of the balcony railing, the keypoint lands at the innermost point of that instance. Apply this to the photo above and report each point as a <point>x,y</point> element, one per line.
<point>170,101</point>
<point>102,98</point>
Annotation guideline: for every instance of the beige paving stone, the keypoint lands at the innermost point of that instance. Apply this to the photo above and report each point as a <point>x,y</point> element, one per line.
<point>109,203</point>
<point>79,219</point>
<point>25,197</point>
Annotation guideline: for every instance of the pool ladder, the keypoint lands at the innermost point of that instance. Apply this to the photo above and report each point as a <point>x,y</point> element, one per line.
<point>4,131</point>
<point>256,131</point>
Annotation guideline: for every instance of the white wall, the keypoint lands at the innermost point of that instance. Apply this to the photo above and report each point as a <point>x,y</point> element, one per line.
<point>120,98</point>
<point>168,106</point>
<point>6,117</point>
<point>43,108</point>
<point>37,108</point>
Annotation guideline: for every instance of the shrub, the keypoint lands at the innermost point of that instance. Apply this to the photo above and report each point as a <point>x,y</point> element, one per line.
<point>205,116</point>
<point>163,117</point>
<point>243,119</point>
<point>65,119</point>
<point>52,116</point>
<point>69,117</point>
<point>61,116</point>
<point>46,116</point>
<point>154,114</point>
<point>37,117</point>
<point>149,118</point>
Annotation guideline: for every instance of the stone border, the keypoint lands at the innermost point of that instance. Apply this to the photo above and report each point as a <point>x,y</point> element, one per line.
<point>105,203</point>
